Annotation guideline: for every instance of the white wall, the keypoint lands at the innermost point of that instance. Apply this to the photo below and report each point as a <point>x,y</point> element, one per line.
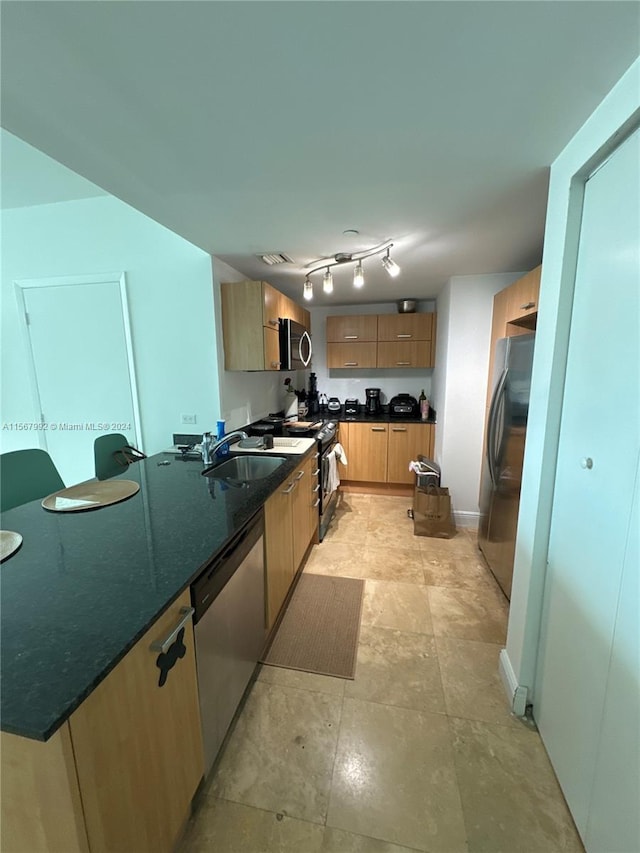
<point>351,383</point>
<point>465,308</point>
<point>619,110</point>
<point>170,304</point>
<point>246,397</point>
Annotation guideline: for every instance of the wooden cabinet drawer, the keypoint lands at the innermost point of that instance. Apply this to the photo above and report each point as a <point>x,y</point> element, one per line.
<point>356,328</point>
<point>353,356</point>
<point>405,327</point>
<point>404,354</point>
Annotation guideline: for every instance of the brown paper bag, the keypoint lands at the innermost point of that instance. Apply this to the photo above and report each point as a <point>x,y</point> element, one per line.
<point>432,512</point>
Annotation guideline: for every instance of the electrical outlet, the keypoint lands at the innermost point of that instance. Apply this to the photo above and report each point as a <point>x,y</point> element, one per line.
<point>187,419</point>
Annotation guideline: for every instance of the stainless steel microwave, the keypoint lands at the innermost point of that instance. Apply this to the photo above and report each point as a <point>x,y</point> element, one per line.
<point>295,346</point>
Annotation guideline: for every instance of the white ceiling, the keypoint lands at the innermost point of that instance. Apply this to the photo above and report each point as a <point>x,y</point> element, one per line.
<point>251,127</point>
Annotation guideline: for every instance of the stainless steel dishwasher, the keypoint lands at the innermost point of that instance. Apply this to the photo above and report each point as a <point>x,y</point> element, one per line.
<point>230,631</point>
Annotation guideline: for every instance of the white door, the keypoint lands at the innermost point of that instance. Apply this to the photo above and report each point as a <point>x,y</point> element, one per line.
<point>78,337</point>
<point>595,476</point>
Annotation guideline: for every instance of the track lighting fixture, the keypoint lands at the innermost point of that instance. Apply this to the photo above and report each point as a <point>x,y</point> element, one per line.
<point>390,265</point>
<point>308,289</point>
<point>358,275</point>
<point>348,258</point>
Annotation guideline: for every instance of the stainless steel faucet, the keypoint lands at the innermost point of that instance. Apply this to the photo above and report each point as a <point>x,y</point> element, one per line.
<point>209,446</point>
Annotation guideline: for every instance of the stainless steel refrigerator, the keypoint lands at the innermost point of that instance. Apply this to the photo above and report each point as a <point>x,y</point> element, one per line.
<point>504,454</point>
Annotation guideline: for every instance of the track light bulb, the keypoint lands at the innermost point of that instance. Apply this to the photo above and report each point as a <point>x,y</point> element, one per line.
<point>327,281</point>
<point>358,275</point>
<point>390,265</point>
<point>308,289</point>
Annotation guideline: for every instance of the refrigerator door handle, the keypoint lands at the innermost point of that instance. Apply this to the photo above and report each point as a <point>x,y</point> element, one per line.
<point>491,426</point>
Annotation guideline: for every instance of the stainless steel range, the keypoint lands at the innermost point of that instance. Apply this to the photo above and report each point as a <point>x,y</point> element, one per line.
<point>326,438</point>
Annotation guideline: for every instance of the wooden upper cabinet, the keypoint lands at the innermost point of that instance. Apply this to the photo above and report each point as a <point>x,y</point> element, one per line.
<point>272,304</point>
<point>524,295</point>
<point>405,327</point>
<point>352,355</point>
<point>382,340</point>
<point>251,312</point>
<point>352,329</point>
<point>404,354</point>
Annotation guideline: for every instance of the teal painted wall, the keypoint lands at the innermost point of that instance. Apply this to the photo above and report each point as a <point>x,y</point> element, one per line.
<point>170,297</point>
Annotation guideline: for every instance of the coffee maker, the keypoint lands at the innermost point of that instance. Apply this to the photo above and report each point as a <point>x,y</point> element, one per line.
<point>372,404</point>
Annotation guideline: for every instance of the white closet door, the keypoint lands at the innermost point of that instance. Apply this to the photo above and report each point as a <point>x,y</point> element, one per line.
<point>78,343</point>
<point>596,469</point>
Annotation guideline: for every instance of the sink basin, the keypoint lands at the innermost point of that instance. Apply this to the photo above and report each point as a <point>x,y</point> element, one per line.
<point>245,468</point>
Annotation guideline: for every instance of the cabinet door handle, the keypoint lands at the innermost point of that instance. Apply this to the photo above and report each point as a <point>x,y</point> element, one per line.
<point>527,305</point>
<point>275,364</point>
<point>316,488</point>
<point>351,364</point>
<point>290,489</point>
<point>398,429</point>
<point>351,337</point>
<point>404,336</point>
<point>316,472</point>
<point>403,363</point>
<point>316,503</point>
<point>163,646</point>
<point>378,429</point>
<point>299,476</point>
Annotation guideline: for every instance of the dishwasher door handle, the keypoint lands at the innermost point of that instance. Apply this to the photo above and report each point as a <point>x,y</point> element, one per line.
<point>163,646</point>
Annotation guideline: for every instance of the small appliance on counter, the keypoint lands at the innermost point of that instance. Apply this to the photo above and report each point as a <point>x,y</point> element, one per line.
<point>351,407</point>
<point>373,405</point>
<point>334,404</point>
<point>404,406</point>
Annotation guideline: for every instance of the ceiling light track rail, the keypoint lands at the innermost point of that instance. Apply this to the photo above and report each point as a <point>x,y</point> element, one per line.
<point>342,258</point>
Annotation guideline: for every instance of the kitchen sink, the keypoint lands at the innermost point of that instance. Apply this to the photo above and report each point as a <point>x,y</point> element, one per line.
<point>245,468</point>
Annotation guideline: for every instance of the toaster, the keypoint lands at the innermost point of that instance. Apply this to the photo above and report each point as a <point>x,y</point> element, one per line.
<point>351,406</point>
<point>404,406</point>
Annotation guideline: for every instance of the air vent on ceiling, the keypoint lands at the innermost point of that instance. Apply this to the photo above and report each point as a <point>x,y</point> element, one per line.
<point>276,258</point>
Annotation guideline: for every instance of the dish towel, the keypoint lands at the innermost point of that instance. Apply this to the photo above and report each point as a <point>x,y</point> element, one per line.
<point>340,454</point>
<point>332,478</point>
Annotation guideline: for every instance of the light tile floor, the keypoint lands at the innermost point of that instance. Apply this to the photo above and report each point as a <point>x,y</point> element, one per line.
<point>419,752</point>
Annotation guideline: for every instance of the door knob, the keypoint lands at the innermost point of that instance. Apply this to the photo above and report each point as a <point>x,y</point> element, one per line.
<point>586,462</point>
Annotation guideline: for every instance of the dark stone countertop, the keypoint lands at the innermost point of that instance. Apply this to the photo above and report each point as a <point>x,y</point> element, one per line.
<point>85,586</point>
<point>383,418</point>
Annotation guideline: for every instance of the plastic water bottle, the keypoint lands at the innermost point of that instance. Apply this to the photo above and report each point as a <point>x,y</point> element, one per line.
<point>223,450</point>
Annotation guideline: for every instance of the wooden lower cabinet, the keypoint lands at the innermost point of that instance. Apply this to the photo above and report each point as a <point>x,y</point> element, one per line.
<point>279,569</point>
<point>41,805</point>
<point>367,457</point>
<point>121,773</point>
<point>381,452</point>
<point>406,442</point>
<point>291,521</point>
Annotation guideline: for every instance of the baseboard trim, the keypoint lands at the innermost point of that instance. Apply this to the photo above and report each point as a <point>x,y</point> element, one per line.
<point>467,519</point>
<point>516,693</point>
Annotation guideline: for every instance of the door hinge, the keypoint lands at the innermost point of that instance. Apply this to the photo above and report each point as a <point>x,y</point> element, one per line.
<point>41,417</point>
<point>27,318</point>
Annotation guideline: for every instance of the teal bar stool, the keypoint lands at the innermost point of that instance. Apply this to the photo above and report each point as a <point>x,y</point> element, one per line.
<point>26,475</point>
<point>108,456</point>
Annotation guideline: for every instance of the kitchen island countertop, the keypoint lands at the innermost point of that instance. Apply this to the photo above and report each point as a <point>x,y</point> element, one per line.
<point>85,586</point>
